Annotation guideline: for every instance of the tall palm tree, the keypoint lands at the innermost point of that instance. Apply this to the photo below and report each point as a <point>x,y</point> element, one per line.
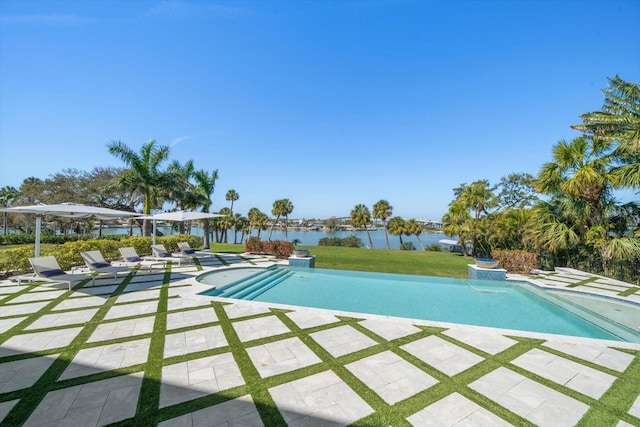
<point>383,210</point>
<point>232,196</point>
<point>412,227</point>
<point>282,207</point>
<point>8,195</point>
<point>619,121</point>
<point>397,227</point>
<point>205,185</point>
<point>183,191</point>
<point>361,217</point>
<point>456,222</point>
<point>144,174</point>
<point>225,223</point>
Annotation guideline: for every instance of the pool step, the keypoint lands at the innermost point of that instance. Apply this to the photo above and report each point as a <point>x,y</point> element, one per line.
<point>244,282</point>
<point>239,292</point>
<point>262,289</point>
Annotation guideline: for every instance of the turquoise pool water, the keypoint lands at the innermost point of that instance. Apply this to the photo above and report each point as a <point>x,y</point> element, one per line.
<point>474,302</point>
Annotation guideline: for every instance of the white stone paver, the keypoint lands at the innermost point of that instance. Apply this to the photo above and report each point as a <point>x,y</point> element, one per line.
<point>240,412</point>
<point>262,327</point>
<point>322,399</point>
<point>83,302</point>
<point>197,378</point>
<point>389,330</point>
<point>594,352</point>
<point>93,404</point>
<point>310,319</point>
<point>281,356</point>
<point>107,358</point>
<point>38,341</point>
<point>6,324</point>
<point>185,302</point>
<point>21,309</point>
<point>342,340</point>
<point>77,317</point>
<point>123,329</point>
<point>23,373</point>
<point>529,399</point>
<point>390,376</point>
<point>238,310</point>
<point>442,355</point>
<point>193,341</point>
<point>138,296</point>
<point>191,318</point>
<point>5,408</point>
<point>635,408</point>
<point>573,375</point>
<point>38,296</point>
<point>455,410</point>
<point>486,341</point>
<point>98,290</point>
<point>133,309</point>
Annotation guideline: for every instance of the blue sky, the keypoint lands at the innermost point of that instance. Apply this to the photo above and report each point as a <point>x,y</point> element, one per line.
<point>326,103</point>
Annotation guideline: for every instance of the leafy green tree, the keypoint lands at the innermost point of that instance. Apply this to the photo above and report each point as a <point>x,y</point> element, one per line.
<point>517,191</point>
<point>205,186</point>
<point>396,227</point>
<point>144,174</point>
<point>457,222</point>
<point>361,217</point>
<point>231,196</point>
<point>331,223</point>
<point>183,191</point>
<point>382,210</point>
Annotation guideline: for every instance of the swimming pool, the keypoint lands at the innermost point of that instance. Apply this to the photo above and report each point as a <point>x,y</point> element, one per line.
<point>509,305</point>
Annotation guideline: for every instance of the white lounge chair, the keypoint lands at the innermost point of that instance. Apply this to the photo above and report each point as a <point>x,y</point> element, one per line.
<point>131,259</point>
<point>187,250</point>
<point>160,253</point>
<point>47,268</point>
<point>96,263</point>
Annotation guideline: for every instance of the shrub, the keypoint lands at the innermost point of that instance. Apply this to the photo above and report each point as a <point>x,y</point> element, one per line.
<point>352,241</point>
<point>279,248</point>
<point>515,261</point>
<point>434,247</point>
<point>407,246</point>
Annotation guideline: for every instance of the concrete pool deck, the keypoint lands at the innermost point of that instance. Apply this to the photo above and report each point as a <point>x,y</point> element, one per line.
<point>145,349</point>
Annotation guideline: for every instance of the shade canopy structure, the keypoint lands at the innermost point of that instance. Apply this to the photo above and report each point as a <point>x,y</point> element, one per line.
<point>69,210</point>
<point>177,216</point>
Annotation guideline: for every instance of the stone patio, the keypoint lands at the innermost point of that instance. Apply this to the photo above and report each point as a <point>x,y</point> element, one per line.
<point>146,349</point>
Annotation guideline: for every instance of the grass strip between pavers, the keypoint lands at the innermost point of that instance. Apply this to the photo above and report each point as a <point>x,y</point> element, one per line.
<point>32,396</point>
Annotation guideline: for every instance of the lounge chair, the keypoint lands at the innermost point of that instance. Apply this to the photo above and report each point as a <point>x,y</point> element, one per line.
<point>160,253</point>
<point>47,268</point>
<point>187,250</point>
<point>96,263</point>
<point>131,259</point>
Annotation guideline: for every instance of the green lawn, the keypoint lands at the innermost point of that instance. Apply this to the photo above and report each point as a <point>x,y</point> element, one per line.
<point>379,260</point>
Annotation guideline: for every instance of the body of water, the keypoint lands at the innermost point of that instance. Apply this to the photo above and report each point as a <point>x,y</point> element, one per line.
<point>309,238</point>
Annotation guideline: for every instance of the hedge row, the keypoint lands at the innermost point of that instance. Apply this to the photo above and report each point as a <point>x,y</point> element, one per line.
<point>16,260</point>
<point>281,249</point>
<point>514,261</point>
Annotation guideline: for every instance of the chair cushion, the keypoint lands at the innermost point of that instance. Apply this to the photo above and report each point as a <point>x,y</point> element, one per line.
<point>164,255</point>
<point>101,264</point>
<point>189,251</point>
<point>50,273</point>
<point>134,259</point>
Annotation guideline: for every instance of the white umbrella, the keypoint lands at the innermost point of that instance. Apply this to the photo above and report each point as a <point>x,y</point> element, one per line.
<point>71,210</point>
<point>177,216</point>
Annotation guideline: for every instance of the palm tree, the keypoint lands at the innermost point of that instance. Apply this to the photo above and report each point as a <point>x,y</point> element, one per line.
<point>456,222</point>
<point>282,207</point>
<point>619,121</point>
<point>580,180</point>
<point>232,196</point>
<point>383,210</point>
<point>183,191</point>
<point>205,185</point>
<point>397,227</point>
<point>144,174</point>
<point>225,223</point>
<point>7,195</point>
<point>361,217</point>
<point>412,227</point>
